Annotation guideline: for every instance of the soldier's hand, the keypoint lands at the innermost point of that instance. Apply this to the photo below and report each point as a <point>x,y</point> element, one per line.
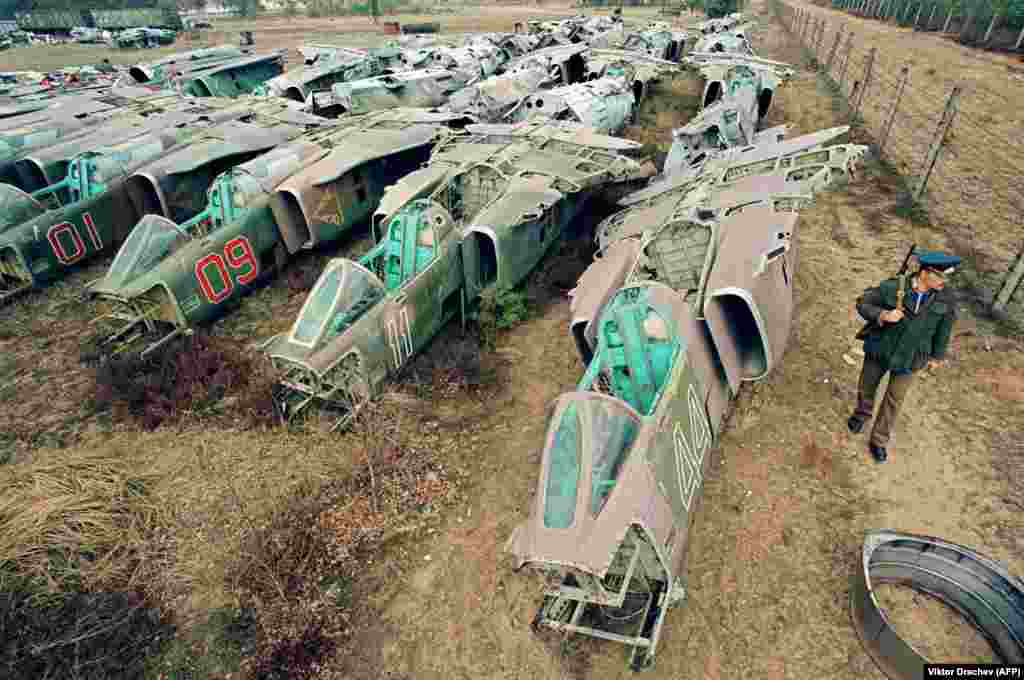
<point>892,316</point>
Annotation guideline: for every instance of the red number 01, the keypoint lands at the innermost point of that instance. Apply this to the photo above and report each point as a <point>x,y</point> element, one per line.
<point>239,256</point>
<point>69,231</point>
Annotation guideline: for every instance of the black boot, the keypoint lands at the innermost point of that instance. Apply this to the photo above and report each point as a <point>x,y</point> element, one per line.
<point>855,424</point>
<point>878,452</point>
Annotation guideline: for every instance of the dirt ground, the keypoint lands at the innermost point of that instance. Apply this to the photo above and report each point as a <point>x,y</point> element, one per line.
<point>784,509</point>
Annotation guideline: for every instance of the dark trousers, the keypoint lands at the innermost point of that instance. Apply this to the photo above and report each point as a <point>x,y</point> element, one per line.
<point>870,376</point>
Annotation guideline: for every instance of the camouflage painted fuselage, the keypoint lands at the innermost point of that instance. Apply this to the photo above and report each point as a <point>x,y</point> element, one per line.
<point>111,188</point>
<point>482,213</point>
<point>311,191</point>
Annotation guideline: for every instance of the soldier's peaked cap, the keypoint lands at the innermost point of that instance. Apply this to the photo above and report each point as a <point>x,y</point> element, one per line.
<point>940,262</point>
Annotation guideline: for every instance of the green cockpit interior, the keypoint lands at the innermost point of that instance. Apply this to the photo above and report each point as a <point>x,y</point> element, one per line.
<point>636,349</point>
<point>609,430</point>
<point>343,294</point>
<point>229,197</point>
<point>90,173</point>
<point>409,246</point>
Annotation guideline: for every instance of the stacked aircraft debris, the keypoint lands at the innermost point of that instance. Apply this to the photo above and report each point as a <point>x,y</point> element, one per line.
<point>327,65</point>
<point>360,81</point>
<point>690,296</point>
<point>223,71</point>
<point>493,99</point>
<point>738,93</point>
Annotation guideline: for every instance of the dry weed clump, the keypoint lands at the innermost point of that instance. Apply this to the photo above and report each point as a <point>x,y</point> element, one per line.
<point>455,363</point>
<point>73,565</point>
<point>192,380</point>
<point>297,571</point>
<point>80,517</point>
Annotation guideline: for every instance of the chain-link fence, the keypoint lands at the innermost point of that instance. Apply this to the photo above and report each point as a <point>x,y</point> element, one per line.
<point>961,161</point>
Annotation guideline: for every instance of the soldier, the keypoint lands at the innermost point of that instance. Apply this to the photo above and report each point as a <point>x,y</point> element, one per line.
<point>910,329</point>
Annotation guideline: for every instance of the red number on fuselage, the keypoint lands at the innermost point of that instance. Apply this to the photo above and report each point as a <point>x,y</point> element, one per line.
<point>68,229</point>
<point>222,273</point>
<point>246,259</point>
<point>53,236</point>
<point>239,255</point>
<point>94,235</point>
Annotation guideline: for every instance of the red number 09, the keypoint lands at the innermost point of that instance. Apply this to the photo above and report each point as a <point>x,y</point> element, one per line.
<point>239,256</point>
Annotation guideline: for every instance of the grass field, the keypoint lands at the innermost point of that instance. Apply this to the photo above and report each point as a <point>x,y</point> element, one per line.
<point>244,549</point>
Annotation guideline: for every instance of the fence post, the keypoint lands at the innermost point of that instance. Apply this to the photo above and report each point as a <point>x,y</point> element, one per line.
<point>945,26</point>
<point>867,79</point>
<point>931,18</point>
<point>832,53</point>
<point>991,25</point>
<point>846,62</point>
<point>1010,285</point>
<point>904,77</point>
<point>940,138</point>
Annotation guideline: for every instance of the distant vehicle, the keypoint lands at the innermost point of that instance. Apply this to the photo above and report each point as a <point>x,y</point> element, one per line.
<point>194,23</point>
<point>144,37</point>
<point>83,34</point>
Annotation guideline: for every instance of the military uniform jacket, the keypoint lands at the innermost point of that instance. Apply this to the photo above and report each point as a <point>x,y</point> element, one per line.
<point>917,337</point>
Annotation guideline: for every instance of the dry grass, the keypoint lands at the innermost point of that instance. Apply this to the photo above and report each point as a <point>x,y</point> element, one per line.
<point>973,196</point>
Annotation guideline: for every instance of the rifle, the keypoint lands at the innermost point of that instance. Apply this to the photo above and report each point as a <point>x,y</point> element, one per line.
<point>900,292</point>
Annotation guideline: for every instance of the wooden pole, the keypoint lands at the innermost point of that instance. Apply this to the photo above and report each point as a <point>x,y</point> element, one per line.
<point>835,46</point>
<point>949,18</point>
<point>1009,286</point>
<point>917,19</point>
<point>904,77</point>
<point>846,62</point>
<point>867,79</point>
<point>931,18</point>
<point>1020,39</point>
<point>939,140</point>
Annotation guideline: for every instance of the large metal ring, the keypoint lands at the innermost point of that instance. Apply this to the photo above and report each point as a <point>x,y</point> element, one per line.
<point>980,589</point>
